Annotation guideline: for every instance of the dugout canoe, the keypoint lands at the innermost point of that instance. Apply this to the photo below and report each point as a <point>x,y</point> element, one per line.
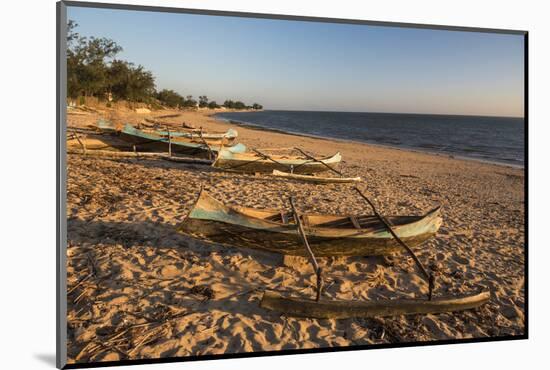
<point>253,162</point>
<point>330,309</point>
<point>315,179</point>
<point>328,235</point>
<point>148,140</point>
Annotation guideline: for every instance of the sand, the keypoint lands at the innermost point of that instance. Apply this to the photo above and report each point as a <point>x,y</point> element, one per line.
<point>137,289</point>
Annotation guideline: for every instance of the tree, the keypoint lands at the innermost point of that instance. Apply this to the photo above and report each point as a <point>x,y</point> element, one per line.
<point>170,98</point>
<point>239,105</point>
<point>213,105</point>
<point>93,70</point>
<point>203,101</point>
<point>190,102</point>
<point>257,106</point>
<point>89,63</point>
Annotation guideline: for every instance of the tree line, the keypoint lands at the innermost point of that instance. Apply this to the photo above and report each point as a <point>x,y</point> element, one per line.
<point>94,70</point>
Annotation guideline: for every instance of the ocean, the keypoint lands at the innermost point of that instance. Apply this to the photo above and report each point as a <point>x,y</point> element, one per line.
<point>492,139</point>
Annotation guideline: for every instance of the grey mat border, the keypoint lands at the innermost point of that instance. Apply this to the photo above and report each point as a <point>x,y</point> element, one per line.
<point>61,193</point>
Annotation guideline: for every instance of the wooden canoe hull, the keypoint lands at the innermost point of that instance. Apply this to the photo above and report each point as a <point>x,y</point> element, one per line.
<point>291,244</point>
<point>316,179</point>
<point>328,309</point>
<point>215,222</point>
<point>248,162</point>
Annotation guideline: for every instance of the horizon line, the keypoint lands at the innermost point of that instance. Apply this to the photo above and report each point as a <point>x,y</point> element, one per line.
<point>411,113</point>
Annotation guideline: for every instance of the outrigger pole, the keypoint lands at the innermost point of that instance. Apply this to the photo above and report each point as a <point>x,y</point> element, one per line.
<point>319,161</point>
<point>210,152</point>
<point>265,156</point>
<point>312,258</point>
<point>427,276</point>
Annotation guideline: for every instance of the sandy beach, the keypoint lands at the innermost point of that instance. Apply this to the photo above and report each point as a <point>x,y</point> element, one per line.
<point>137,289</point>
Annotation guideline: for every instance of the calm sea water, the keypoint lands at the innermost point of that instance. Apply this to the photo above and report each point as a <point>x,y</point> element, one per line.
<point>495,139</point>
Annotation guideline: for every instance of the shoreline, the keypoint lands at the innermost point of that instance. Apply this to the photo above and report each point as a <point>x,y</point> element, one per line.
<point>253,126</point>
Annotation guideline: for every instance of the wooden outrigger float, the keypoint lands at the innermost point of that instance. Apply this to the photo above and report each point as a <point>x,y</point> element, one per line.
<point>325,309</point>
<point>329,235</point>
<point>316,179</point>
<point>330,309</point>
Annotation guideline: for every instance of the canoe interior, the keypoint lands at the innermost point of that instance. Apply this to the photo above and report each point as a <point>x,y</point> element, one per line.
<point>253,162</point>
<point>283,158</point>
<point>364,222</point>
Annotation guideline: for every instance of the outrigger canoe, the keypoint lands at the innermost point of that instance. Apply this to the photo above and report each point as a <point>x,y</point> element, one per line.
<point>328,235</point>
<point>316,179</point>
<point>149,140</point>
<point>230,135</point>
<point>253,162</point>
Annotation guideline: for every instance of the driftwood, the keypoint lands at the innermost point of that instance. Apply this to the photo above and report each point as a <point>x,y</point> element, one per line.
<point>356,309</point>
<point>116,154</point>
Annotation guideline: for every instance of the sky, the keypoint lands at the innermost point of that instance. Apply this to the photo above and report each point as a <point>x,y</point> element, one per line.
<point>297,65</point>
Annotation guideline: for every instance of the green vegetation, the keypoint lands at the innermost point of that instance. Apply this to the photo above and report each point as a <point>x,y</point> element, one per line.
<point>93,70</point>
<point>170,98</point>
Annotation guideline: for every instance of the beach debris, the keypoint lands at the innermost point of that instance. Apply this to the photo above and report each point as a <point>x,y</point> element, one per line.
<point>201,290</point>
